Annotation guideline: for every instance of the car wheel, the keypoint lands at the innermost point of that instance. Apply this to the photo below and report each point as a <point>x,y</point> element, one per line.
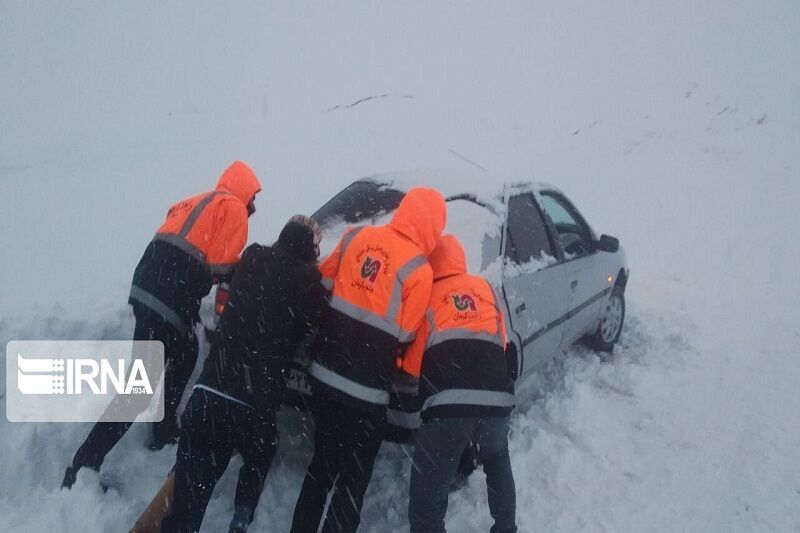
<point>611,321</point>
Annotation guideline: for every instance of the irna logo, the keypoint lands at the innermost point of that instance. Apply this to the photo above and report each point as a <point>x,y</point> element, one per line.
<point>76,376</point>
<point>84,381</point>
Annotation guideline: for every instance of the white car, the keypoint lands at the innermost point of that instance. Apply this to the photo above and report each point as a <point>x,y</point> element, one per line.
<point>558,282</point>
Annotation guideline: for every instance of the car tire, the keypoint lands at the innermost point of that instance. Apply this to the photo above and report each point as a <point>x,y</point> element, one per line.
<point>611,322</point>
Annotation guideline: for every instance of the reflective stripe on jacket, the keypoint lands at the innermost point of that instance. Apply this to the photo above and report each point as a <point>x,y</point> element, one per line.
<point>212,226</point>
<point>381,279</point>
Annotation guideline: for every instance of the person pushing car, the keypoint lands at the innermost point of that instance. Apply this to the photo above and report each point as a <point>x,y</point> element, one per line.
<point>197,245</point>
<point>465,390</point>
<point>276,298</point>
<point>380,281</point>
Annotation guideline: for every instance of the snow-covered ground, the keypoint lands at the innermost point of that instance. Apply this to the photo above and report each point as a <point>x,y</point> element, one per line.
<point>675,127</point>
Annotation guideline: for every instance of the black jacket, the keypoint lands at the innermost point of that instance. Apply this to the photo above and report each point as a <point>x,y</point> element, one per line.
<point>468,366</point>
<point>359,352</point>
<point>275,299</point>
<point>176,279</point>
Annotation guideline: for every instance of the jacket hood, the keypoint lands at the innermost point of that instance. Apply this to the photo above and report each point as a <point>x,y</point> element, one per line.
<point>239,180</point>
<point>421,217</point>
<point>448,258</point>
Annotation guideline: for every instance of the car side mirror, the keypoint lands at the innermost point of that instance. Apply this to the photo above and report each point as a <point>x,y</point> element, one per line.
<point>607,243</point>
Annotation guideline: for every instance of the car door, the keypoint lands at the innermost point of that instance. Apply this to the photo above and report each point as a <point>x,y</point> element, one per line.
<point>586,276</point>
<point>534,282</point>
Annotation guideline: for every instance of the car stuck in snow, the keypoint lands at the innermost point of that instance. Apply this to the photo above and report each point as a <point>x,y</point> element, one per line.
<point>558,283</point>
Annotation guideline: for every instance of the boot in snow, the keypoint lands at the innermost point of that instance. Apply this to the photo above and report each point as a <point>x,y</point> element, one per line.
<point>70,476</point>
<point>242,516</point>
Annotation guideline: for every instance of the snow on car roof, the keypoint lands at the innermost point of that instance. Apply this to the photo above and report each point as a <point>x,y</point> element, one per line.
<point>485,187</point>
<point>471,222</point>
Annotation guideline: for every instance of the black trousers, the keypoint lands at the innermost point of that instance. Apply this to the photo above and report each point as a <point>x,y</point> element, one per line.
<point>180,354</point>
<point>346,442</point>
<point>213,428</point>
<point>437,453</point>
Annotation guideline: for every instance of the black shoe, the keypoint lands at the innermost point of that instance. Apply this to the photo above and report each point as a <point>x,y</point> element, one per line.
<point>238,527</point>
<point>242,516</point>
<point>69,477</point>
<point>467,464</point>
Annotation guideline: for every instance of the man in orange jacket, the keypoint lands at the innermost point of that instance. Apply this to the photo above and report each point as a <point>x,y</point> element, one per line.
<point>197,245</point>
<point>465,390</point>
<point>380,282</point>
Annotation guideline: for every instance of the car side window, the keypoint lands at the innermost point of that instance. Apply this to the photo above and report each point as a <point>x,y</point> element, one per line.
<point>575,237</point>
<point>526,236</point>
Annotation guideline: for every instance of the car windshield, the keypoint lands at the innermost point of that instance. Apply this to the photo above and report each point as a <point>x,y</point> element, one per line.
<point>361,201</point>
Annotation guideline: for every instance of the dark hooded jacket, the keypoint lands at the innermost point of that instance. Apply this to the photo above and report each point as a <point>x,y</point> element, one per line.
<point>276,298</point>
<point>459,351</point>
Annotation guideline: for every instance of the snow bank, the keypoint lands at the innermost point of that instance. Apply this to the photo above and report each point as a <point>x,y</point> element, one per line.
<point>673,127</point>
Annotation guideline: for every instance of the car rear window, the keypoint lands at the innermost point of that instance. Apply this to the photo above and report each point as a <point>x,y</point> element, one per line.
<point>361,201</point>
<point>373,203</point>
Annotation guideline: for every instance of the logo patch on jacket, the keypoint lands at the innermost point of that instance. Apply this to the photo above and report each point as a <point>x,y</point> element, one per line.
<point>370,269</point>
<point>464,302</point>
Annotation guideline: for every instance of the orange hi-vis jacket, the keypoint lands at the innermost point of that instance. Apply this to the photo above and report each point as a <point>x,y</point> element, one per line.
<point>459,350</point>
<point>201,238</point>
<point>380,282</point>
<point>212,226</point>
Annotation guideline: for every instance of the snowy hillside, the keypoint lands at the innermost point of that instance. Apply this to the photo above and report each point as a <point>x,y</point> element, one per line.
<point>675,127</point>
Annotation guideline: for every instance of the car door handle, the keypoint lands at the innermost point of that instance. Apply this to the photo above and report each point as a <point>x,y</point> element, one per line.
<point>520,308</point>
<point>574,284</point>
